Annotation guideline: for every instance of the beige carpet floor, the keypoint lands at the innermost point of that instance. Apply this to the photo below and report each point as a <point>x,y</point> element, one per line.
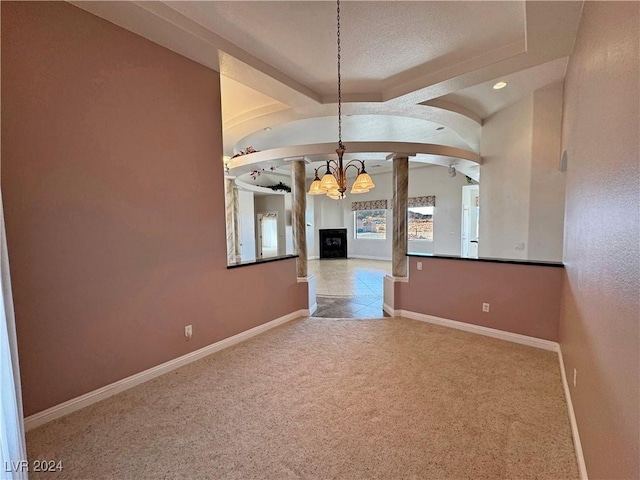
<point>331,399</point>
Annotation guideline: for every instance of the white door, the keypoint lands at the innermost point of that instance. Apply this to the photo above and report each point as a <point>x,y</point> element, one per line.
<point>470,221</point>
<point>247,226</point>
<point>268,234</point>
<point>465,230</point>
<point>474,222</point>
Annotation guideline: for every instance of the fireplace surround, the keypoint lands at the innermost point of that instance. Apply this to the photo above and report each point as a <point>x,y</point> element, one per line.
<point>333,243</point>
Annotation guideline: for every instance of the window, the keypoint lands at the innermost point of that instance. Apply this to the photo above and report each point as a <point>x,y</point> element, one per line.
<point>420,223</point>
<point>371,224</point>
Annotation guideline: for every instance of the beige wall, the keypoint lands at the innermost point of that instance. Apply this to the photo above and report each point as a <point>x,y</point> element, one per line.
<point>522,189</point>
<point>523,299</point>
<point>504,181</point>
<point>547,186</point>
<point>600,322</point>
<point>114,205</point>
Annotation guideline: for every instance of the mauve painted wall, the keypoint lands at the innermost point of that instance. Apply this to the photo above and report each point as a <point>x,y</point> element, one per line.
<point>524,299</point>
<point>114,205</point>
<point>600,320</point>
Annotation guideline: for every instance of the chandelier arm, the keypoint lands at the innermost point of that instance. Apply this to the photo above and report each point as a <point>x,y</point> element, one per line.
<point>331,166</point>
<point>352,163</point>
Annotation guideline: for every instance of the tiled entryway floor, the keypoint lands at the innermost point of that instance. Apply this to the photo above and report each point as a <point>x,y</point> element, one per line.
<point>351,288</point>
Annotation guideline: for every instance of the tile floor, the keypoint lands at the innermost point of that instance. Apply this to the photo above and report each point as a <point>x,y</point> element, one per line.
<point>349,288</point>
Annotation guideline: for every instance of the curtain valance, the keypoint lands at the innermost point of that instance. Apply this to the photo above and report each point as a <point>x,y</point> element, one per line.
<point>428,201</point>
<point>369,205</point>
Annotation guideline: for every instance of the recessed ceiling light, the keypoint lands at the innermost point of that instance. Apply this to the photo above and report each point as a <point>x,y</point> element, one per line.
<point>267,129</point>
<point>499,85</point>
<point>440,128</point>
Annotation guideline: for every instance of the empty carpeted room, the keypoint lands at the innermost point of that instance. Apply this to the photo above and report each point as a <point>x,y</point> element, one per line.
<point>183,182</point>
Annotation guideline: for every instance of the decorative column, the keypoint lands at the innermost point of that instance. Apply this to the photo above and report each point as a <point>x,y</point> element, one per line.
<point>237,249</point>
<point>298,214</point>
<point>400,180</point>
<point>229,204</point>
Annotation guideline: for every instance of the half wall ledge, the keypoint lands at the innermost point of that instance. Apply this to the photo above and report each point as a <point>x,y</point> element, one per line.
<point>260,261</point>
<point>538,263</point>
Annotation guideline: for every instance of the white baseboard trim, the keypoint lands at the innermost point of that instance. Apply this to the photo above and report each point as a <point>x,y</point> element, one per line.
<point>397,279</point>
<point>371,257</point>
<point>313,309</point>
<point>486,331</point>
<point>307,279</point>
<point>577,445</point>
<point>40,418</point>
<point>516,338</point>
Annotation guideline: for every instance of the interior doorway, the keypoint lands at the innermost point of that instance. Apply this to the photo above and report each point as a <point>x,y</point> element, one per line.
<point>470,220</point>
<point>246,226</point>
<point>349,288</point>
<point>267,234</point>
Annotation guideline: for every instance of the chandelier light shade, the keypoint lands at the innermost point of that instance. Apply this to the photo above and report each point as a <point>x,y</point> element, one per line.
<point>315,188</point>
<point>329,182</point>
<point>334,181</point>
<point>358,189</point>
<point>364,181</point>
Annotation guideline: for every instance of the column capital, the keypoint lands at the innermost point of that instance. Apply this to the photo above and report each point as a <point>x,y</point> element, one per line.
<point>394,156</point>
<point>297,159</point>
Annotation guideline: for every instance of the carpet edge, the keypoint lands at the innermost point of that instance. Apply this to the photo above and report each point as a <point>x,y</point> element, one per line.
<point>57,411</point>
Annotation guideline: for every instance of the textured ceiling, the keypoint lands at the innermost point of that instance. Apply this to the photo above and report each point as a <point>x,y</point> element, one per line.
<point>299,38</point>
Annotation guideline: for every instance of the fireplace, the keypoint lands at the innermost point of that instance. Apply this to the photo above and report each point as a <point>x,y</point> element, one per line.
<point>333,243</point>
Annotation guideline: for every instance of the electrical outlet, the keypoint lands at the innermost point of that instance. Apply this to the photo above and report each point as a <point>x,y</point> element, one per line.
<point>188,331</point>
<point>419,265</point>
<point>575,377</point>
<point>485,307</point>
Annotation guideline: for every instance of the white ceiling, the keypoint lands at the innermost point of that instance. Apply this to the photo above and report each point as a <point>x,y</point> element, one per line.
<point>408,67</point>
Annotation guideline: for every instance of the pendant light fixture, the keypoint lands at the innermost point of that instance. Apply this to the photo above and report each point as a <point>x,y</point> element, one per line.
<point>334,182</point>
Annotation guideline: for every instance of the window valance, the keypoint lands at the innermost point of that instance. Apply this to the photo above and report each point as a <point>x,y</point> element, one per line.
<point>369,205</point>
<point>428,201</point>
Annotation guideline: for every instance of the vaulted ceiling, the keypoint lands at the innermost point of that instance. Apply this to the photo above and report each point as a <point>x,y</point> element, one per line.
<point>408,68</point>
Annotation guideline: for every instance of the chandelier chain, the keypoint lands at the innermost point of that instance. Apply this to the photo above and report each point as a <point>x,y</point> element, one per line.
<point>334,181</point>
<point>340,145</point>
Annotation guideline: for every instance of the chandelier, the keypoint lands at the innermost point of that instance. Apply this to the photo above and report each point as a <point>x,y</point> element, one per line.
<point>334,181</point>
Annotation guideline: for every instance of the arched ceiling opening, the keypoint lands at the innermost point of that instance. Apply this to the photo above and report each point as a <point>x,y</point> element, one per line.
<point>408,67</point>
